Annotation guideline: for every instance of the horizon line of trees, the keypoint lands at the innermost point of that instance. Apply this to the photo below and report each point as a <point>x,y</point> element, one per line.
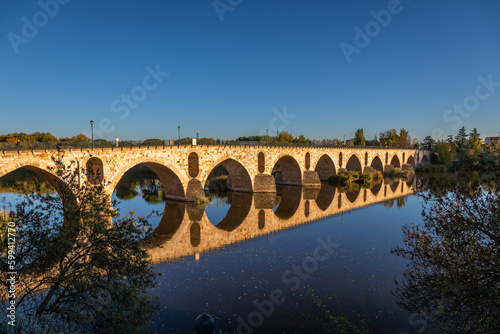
<point>463,150</point>
<point>389,138</point>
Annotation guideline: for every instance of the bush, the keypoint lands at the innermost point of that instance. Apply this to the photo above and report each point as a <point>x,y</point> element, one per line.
<point>432,169</point>
<point>46,323</point>
<point>217,184</point>
<point>366,178</point>
<point>397,174</point>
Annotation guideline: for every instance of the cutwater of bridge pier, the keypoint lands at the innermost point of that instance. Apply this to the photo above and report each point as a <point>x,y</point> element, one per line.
<point>183,170</point>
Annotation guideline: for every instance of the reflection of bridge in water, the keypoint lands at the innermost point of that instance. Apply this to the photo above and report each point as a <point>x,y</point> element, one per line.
<point>186,230</point>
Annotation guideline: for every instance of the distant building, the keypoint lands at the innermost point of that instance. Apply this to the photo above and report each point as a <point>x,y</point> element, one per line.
<point>491,140</point>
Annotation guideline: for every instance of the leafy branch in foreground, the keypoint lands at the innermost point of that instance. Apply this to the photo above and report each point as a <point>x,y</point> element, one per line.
<point>74,261</point>
<point>454,274</point>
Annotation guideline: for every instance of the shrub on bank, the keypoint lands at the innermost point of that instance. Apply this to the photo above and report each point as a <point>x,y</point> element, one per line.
<point>350,177</point>
<point>432,169</point>
<point>217,184</point>
<point>397,174</point>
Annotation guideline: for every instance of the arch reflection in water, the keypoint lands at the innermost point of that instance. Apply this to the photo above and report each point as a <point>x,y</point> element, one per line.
<point>254,215</point>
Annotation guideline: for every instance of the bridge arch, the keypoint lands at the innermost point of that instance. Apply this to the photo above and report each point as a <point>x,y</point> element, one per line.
<point>325,196</point>
<point>395,161</point>
<point>411,161</point>
<point>290,171</point>
<point>375,189</point>
<point>240,205</point>
<point>352,195</point>
<point>377,164</point>
<point>238,179</point>
<point>289,202</point>
<point>38,168</point>
<point>325,167</point>
<point>425,160</point>
<point>168,175</point>
<point>354,163</point>
<point>394,186</point>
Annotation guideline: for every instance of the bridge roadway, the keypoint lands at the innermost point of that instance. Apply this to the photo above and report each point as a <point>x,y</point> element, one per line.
<point>184,170</point>
<point>187,230</point>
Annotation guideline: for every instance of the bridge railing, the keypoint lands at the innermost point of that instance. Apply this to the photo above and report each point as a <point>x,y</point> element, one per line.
<point>30,145</point>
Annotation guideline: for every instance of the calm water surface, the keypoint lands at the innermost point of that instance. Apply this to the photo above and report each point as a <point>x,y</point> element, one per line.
<point>356,278</point>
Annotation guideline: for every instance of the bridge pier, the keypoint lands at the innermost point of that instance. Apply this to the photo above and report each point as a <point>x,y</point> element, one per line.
<point>408,167</point>
<point>310,178</point>
<point>264,183</point>
<point>194,190</point>
<point>368,170</point>
<point>388,168</point>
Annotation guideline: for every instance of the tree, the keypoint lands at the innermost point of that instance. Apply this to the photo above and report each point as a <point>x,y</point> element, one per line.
<point>469,153</point>
<point>153,142</point>
<point>72,261</point>
<point>285,137</point>
<point>389,138</point>
<point>461,137</point>
<point>454,274</point>
<point>428,142</point>
<point>359,138</point>
<point>301,140</point>
<point>474,135</point>
<point>442,153</point>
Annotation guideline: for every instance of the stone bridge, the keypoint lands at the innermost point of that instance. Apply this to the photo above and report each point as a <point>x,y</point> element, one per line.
<point>183,170</point>
<point>186,230</point>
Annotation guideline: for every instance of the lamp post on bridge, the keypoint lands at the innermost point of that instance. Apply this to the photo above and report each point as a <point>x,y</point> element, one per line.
<point>92,132</point>
<point>179,130</point>
<point>267,136</point>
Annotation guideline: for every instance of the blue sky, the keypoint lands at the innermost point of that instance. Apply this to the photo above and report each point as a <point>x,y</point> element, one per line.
<point>267,64</point>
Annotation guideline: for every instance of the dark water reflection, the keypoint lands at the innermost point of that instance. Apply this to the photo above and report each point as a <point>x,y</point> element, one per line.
<point>223,256</point>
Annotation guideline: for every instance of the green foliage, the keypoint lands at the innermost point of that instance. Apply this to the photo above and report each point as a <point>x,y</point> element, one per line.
<point>251,138</point>
<point>336,321</point>
<point>453,275</point>
<point>432,169</point>
<point>366,177</point>
<point>350,177</point>
<point>73,262</point>
<point>217,184</point>
<point>442,153</point>
<point>428,142</point>
<point>359,138</point>
<point>461,137</point>
<point>392,138</point>
<point>397,174</point>
<point>153,142</point>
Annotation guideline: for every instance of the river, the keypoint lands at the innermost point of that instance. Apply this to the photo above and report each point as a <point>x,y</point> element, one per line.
<point>274,263</point>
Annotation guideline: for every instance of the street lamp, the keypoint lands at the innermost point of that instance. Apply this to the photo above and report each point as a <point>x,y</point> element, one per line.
<point>179,142</point>
<point>267,136</point>
<point>92,132</point>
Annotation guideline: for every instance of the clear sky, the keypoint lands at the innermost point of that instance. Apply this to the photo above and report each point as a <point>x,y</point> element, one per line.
<point>319,68</point>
